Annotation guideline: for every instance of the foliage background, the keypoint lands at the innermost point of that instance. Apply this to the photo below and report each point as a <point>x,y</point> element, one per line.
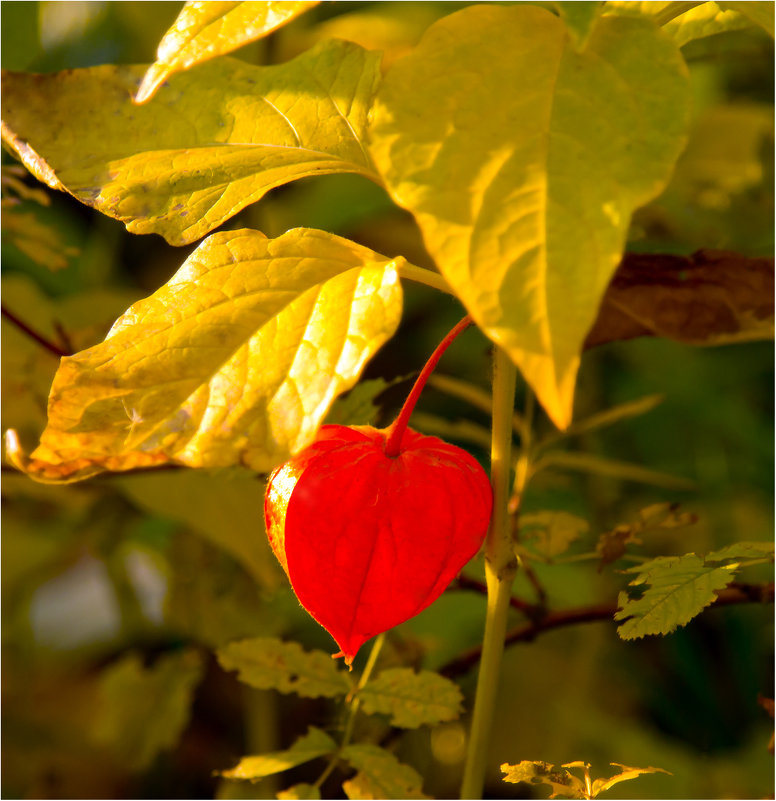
<point>96,572</point>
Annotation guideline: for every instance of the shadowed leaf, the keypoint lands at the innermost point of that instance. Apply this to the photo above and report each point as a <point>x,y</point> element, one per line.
<point>525,199</point>
<point>144,710</point>
<point>380,775</point>
<point>710,298</point>
<point>235,360</point>
<point>300,791</point>
<point>211,143</point>
<point>312,745</point>
<point>741,551</point>
<point>551,533</point>
<point>267,663</point>
<point>205,30</point>
<point>411,699</point>
<point>562,783</point>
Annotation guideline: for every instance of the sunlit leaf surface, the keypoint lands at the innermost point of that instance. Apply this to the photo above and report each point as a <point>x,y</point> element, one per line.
<point>212,141</point>
<point>205,30</point>
<point>524,198</point>
<point>312,745</point>
<point>380,775</point>
<point>236,359</point>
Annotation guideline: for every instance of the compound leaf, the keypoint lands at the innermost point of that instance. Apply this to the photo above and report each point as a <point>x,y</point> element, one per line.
<point>679,588</point>
<point>235,360</point>
<point>380,775</point>
<point>312,745</point>
<point>524,198</point>
<point>211,143</point>
<point>205,30</point>
<point>144,710</point>
<point>412,699</point>
<point>267,663</point>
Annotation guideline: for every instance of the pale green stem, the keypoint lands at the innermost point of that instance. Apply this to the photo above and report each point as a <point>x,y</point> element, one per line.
<point>500,568</point>
<point>355,703</point>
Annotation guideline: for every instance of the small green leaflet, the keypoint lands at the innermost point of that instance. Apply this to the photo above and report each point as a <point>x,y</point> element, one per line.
<point>680,587</point>
<point>312,745</point>
<point>412,699</point>
<point>268,663</point>
<point>551,533</point>
<point>380,775</point>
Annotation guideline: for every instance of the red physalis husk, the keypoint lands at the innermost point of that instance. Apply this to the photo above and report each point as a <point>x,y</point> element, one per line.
<point>368,540</point>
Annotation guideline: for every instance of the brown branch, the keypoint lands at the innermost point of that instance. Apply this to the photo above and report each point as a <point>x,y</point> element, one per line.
<point>735,593</point>
<point>51,347</point>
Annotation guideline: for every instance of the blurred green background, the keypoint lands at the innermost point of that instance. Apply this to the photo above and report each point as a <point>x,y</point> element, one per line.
<point>115,591</point>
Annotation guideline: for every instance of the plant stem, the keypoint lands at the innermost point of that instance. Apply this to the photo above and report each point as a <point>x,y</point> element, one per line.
<point>395,431</point>
<point>500,569</point>
<point>51,347</point>
<point>423,276</point>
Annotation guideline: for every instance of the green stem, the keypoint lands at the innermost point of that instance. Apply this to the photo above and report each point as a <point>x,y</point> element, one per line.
<point>500,569</point>
<point>354,706</point>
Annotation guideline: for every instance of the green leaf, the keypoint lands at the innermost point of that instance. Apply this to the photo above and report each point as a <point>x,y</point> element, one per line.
<point>662,11</point>
<point>235,360</point>
<point>144,710</point>
<point>300,791</point>
<point>205,30</point>
<point>679,588</point>
<point>224,506</point>
<point>312,745</point>
<point>760,14</point>
<point>741,551</point>
<point>707,19</point>
<point>211,143</point>
<point>562,783</point>
<point>551,533</point>
<point>580,18</point>
<point>380,775</point>
<point>626,774</point>
<point>524,197</point>
<point>267,663</point>
<point>412,699</point>
<point>358,406</point>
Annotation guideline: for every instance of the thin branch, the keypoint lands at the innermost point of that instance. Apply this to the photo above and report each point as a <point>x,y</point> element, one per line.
<point>466,583</point>
<point>735,593</point>
<point>51,347</point>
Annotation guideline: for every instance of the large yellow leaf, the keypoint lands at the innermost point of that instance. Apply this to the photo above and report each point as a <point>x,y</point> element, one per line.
<point>205,30</point>
<point>235,360</point>
<point>522,161</point>
<point>213,141</point>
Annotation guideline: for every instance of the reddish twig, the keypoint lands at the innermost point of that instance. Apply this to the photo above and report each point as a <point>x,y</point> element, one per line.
<point>735,593</point>
<point>51,347</point>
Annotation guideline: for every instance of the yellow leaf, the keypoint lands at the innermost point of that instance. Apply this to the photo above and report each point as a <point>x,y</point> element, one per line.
<point>205,30</point>
<point>522,161</point>
<point>236,359</point>
<point>211,143</point>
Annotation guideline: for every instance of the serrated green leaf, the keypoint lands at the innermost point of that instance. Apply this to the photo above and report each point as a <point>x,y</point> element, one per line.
<point>524,198</point>
<point>741,551</point>
<point>300,791</point>
<point>380,775</point>
<point>551,533</point>
<point>626,774</point>
<point>680,587</point>
<point>314,744</point>
<point>144,710</point>
<point>205,30</point>
<point>235,360</point>
<point>412,699</point>
<point>562,783</point>
<point>358,406</point>
<point>267,663</point>
<point>211,143</point>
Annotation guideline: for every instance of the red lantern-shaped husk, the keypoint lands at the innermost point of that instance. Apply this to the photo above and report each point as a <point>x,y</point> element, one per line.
<point>369,540</point>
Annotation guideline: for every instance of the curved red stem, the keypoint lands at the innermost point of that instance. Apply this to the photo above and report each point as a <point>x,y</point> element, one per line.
<point>396,430</point>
